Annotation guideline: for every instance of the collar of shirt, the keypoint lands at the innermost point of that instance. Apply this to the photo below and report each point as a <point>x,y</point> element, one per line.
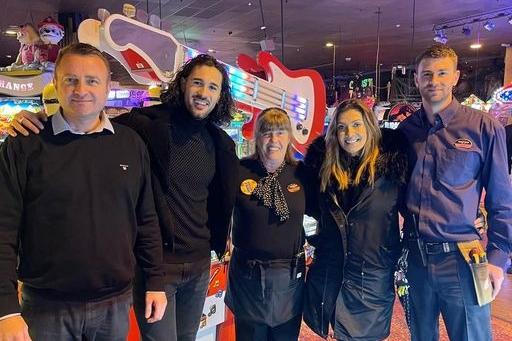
<point>59,125</point>
<point>445,115</point>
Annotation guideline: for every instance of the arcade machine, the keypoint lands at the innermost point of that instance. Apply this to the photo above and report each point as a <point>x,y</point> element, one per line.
<point>152,56</point>
<point>502,106</point>
<point>24,80</point>
<point>9,106</point>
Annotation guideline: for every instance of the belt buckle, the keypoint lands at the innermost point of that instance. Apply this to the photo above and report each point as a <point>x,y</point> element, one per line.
<point>446,247</point>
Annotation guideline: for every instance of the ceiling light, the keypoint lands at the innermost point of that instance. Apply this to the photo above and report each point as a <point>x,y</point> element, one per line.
<point>475,46</point>
<point>8,56</point>
<point>397,25</point>
<point>329,44</point>
<point>348,59</point>
<point>10,33</point>
<point>489,25</point>
<point>263,27</point>
<point>249,4</point>
<point>440,37</point>
<point>211,51</point>
<point>466,31</point>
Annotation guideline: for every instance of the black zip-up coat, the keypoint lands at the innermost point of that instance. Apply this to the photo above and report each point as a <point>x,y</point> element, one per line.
<point>152,124</point>
<point>350,281</point>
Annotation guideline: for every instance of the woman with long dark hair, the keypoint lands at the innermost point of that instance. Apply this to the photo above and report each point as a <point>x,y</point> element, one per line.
<point>360,171</point>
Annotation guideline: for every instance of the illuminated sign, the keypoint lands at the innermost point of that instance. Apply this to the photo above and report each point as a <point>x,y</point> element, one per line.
<point>14,86</point>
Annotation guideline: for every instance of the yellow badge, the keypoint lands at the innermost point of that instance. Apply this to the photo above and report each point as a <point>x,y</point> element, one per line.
<point>293,188</point>
<point>248,186</point>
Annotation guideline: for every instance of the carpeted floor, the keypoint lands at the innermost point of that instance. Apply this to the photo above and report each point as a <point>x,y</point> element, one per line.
<point>501,319</point>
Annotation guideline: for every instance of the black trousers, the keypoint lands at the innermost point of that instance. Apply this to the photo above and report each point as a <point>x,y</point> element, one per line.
<point>250,331</point>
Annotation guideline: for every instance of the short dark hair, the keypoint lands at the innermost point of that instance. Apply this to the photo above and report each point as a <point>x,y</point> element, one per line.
<point>81,49</point>
<point>436,51</point>
<point>223,111</point>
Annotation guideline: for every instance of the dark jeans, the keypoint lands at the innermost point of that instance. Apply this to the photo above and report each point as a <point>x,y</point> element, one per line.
<point>53,320</point>
<point>249,331</point>
<point>186,294</point>
<point>445,286</point>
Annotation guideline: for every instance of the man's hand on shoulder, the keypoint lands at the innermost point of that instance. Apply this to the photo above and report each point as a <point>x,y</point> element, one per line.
<point>156,301</point>
<point>26,121</point>
<point>14,329</point>
<point>496,277</point>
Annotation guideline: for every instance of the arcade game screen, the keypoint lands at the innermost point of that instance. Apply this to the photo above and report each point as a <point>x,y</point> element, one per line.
<point>9,106</point>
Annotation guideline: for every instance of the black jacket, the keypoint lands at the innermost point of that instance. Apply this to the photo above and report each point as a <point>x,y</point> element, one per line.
<point>152,124</point>
<point>356,253</point>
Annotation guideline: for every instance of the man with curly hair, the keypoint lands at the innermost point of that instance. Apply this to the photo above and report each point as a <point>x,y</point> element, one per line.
<point>193,162</point>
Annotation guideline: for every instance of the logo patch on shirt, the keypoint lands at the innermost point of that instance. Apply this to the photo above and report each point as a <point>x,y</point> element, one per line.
<point>463,144</point>
<point>123,167</point>
<point>247,186</point>
<point>293,188</point>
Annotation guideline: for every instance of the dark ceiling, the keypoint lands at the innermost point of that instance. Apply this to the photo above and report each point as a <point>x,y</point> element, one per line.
<point>231,27</point>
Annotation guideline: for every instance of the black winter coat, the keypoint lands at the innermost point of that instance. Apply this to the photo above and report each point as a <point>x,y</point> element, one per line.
<point>350,282</point>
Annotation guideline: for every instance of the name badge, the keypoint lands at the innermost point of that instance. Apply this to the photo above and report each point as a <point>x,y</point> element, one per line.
<point>247,186</point>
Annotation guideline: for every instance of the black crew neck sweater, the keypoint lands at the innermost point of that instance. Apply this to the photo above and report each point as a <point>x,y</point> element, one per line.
<point>83,210</point>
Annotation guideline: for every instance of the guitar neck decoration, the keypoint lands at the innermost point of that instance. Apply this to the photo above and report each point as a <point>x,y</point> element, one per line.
<point>152,56</point>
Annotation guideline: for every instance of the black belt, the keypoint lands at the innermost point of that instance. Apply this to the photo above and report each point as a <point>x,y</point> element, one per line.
<point>437,248</point>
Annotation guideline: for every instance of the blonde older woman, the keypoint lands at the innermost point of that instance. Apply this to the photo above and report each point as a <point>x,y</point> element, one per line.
<point>266,274</point>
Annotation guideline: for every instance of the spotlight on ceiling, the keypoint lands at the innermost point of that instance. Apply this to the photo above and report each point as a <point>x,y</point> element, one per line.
<point>466,31</point>
<point>329,44</point>
<point>10,33</point>
<point>475,46</point>
<point>489,25</point>
<point>440,37</point>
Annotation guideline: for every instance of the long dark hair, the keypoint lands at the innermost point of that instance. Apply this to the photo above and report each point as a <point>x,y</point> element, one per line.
<point>333,168</point>
<point>223,111</point>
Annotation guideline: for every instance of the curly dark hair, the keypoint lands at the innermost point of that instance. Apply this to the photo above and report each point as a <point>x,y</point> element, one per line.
<point>223,111</point>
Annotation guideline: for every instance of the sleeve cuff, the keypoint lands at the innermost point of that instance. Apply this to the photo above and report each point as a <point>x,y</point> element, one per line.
<point>497,257</point>
<point>10,315</point>
<point>9,305</point>
<point>155,283</point>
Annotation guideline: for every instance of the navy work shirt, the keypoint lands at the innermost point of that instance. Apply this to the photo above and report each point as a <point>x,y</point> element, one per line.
<point>464,152</point>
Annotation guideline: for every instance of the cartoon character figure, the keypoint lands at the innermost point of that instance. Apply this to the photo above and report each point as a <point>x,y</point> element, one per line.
<point>51,33</point>
<point>28,56</point>
<point>50,101</point>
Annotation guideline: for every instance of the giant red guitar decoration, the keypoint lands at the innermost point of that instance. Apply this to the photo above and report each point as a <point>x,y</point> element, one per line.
<point>151,55</point>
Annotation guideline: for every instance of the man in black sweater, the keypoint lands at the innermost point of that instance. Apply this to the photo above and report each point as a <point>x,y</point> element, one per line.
<point>194,171</point>
<point>76,213</point>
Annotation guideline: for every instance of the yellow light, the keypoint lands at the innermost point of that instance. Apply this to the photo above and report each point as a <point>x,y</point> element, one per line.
<point>475,46</point>
<point>10,32</point>
<point>329,44</point>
